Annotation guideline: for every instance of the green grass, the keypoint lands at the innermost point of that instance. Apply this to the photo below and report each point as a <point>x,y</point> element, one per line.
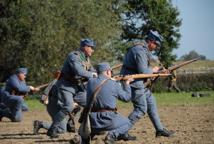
<point>183,98</point>
<point>35,104</point>
<point>163,99</point>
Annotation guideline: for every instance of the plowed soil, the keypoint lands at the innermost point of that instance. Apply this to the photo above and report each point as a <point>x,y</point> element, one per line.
<point>192,124</point>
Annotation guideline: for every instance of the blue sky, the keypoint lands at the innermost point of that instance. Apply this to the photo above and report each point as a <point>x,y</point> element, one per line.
<point>197,28</point>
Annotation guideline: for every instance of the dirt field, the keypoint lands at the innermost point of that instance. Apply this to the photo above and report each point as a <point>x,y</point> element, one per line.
<point>193,125</point>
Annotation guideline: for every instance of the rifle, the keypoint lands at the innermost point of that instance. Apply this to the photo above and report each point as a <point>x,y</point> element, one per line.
<point>42,86</point>
<point>139,76</point>
<point>116,66</point>
<point>56,75</point>
<point>172,68</point>
<point>150,82</point>
<point>25,94</point>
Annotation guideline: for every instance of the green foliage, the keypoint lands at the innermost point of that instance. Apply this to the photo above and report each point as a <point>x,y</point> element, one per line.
<point>196,82</point>
<point>39,34</point>
<point>188,82</point>
<point>139,16</point>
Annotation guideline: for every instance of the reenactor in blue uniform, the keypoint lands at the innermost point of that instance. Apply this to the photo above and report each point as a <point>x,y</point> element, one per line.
<point>104,115</point>
<point>137,61</point>
<point>69,88</point>
<point>13,95</point>
<point>44,100</point>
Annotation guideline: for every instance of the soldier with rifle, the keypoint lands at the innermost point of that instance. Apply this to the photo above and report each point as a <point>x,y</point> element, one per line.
<point>13,95</point>
<point>102,93</point>
<point>69,87</point>
<point>37,125</point>
<point>101,105</point>
<point>137,61</point>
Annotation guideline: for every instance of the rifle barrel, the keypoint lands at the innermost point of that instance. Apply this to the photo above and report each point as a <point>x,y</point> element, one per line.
<point>42,86</point>
<point>140,76</point>
<point>182,64</point>
<point>116,66</point>
<point>172,68</point>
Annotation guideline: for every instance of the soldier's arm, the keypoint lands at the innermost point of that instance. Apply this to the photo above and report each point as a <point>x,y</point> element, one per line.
<point>75,63</point>
<point>17,86</point>
<point>142,63</point>
<point>124,93</point>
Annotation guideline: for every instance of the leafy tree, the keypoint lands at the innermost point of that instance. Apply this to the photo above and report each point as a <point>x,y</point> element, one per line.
<point>192,55</point>
<point>139,16</point>
<point>39,34</point>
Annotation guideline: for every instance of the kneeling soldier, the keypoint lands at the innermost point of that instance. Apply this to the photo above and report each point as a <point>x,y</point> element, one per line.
<point>104,115</point>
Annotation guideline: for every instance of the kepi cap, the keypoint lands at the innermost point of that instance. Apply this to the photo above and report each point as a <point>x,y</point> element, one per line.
<point>87,42</point>
<point>154,35</point>
<point>22,70</point>
<point>104,66</point>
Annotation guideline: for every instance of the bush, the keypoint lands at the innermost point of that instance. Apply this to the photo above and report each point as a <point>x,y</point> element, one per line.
<point>188,82</point>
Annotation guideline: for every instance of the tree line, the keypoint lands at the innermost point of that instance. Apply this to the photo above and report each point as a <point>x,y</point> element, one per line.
<point>39,34</point>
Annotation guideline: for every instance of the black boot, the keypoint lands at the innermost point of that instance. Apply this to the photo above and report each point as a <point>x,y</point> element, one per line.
<point>36,126</point>
<point>6,113</point>
<point>164,133</point>
<point>109,139</point>
<point>52,133</point>
<point>76,140</point>
<point>71,126</point>
<point>126,137</point>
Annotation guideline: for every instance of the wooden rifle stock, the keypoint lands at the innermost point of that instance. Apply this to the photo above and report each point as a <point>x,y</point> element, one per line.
<point>139,76</point>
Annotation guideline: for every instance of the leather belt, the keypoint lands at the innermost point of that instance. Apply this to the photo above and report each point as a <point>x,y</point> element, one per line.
<point>68,78</point>
<point>130,69</point>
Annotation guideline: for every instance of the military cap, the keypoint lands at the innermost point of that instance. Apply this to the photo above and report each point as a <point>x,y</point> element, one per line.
<point>154,35</point>
<point>104,66</point>
<point>22,70</point>
<point>87,42</point>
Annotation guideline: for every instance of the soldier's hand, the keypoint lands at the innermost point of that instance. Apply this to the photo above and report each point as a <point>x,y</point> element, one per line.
<point>129,80</point>
<point>155,69</point>
<point>165,71</point>
<point>31,88</point>
<point>34,89</point>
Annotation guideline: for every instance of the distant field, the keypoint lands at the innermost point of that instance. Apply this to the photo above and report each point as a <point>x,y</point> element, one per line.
<point>199,63</point>
<point>204,66</point>
<point>200,66</point>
